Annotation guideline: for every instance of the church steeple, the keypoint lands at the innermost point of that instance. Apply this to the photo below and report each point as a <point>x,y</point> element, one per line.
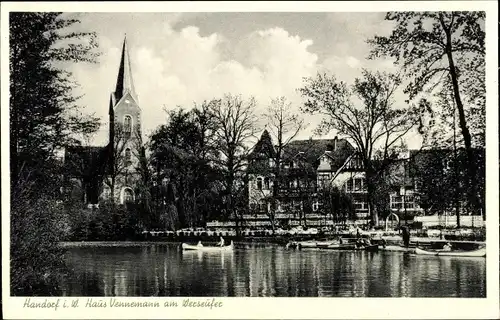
<point>124,83</point>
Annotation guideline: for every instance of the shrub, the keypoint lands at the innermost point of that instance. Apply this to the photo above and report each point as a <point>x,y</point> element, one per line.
<point>36,261</point>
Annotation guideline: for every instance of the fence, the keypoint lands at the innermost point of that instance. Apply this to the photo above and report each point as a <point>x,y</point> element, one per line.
<point>451,221</point>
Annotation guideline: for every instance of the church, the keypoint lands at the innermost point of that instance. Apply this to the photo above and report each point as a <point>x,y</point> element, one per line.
<point>110,173</point>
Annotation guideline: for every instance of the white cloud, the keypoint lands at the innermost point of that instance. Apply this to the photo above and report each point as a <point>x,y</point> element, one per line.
<point>179,67</point>
<point>184,66</point>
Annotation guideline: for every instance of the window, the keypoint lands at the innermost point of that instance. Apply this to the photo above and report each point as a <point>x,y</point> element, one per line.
<point>396,202</point>
<point>259,183</point>
<point>271,162</point>
<point>323,179</point>
<point>349,186</point>
<point>297,206</point>
<point>262,206</point>
<point>128,195</point>
<point>359,205</point>
<point>266,183</point>
<point>358,184</point>
<point>409,202</point>
<point>127,124</point>
<point>315,206</point>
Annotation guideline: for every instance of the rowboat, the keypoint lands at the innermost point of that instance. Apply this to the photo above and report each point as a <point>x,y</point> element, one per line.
<point>473,253</point>
<point>372,247</point>
<point>186,246</point>
<point>343,246</point>
<point>310,244</point>
<point>396,249</point>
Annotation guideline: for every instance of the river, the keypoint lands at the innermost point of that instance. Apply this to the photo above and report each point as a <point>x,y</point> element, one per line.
<point>268,271</point>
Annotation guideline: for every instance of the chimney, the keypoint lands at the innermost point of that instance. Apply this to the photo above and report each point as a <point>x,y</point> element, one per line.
<point>329,148</point>
<point>335,143</point>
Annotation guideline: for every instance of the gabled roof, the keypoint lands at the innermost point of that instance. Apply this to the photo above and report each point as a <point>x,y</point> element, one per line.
<point>313,149</point>
<point>264,148</point>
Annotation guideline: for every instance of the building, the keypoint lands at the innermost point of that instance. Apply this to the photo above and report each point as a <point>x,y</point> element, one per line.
<point>306,166</point>
<point>102,173</point>
<point>309,166</point>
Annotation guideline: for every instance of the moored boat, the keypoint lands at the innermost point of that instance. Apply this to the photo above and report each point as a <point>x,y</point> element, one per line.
<point>372,247</point>
<point>341,246</point>
<point>198,247</point>
<point>455,253</point>
<point>396,248</point>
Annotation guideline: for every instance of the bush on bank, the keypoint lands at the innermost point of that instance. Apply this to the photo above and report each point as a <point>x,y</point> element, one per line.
<point>36,262</point>
<point>106,223</point>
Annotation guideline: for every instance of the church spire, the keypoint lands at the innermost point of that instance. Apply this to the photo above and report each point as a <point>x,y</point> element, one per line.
<point>124,82</point>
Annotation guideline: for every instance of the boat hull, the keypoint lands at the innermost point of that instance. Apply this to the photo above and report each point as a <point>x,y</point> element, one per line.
<point>188,247</point>
<point>396,249</point>
<point>348,246</point>
<point>474,253</point>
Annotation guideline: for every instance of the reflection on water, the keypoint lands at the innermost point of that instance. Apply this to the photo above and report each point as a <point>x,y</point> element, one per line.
<point>269,271</point>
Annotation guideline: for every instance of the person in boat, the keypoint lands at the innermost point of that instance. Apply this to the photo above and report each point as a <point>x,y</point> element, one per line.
<point>447,247</point>
<point>406,236</point>
<point>199,244</point>
<point>221,242</point>
<point>384,243</point>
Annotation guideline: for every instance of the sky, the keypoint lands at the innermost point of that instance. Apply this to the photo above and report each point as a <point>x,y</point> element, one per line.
<point>179,59</point>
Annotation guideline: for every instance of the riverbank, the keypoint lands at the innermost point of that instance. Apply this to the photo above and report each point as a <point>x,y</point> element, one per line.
<point>278,240</point>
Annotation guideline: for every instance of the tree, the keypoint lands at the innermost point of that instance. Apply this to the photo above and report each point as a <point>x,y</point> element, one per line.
<point>283,127</point>
<point>372,123</point>
<point>183,151</point>
<point>432,46</point>
<point>44,117</point>
<point>44,114</point>
<point>236,124</point>
<point>119,161</point>
<point>336,203</point>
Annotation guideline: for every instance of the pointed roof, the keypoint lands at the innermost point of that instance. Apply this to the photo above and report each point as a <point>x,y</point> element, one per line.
<point>124,82</point>
<point>263,147</point>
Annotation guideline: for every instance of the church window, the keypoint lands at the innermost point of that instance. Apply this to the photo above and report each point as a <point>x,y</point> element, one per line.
<point>128,195</point>
<point>259,183</point>
<point>127,124</point>
<point>127,155</point>
<point>266,183</point>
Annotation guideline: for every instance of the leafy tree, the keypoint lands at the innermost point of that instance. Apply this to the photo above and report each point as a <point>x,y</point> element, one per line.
<point>182,160</point>
<point>366,115</point>
<point>44,114</point>
<point>436,46</point>
<point>337,204</point>
<point>44,117</point>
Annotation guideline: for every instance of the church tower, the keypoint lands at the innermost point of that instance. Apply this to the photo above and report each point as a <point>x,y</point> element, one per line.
<point>124,134</point>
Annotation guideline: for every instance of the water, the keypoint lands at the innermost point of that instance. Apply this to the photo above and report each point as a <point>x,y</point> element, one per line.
<point>269,271</point>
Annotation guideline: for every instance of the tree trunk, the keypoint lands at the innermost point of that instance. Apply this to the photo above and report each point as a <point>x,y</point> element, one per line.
<point>473,197</point>
<point>112,192</point>
<point>370,186</point>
